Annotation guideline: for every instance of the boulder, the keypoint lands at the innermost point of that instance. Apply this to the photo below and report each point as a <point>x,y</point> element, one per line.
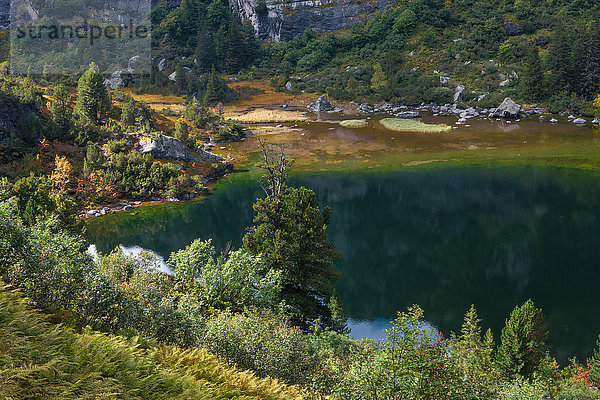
<point>512,29</point>
<point>366,107</point>
<point>469,113</point>
<point>596,121</point>
<point>127,208</point>
<point>210,156</point>
<point>115,81</point>
<point>579,121</point>
<point>554,120</point>
<point>458,94</point>
<point>162,64</point>
<point>137,64</point>
<point>288,85</point>
<point>444,80</point>
<point>408,114</point>
<point>322,104</point>
<point>173,76</point>
<point>543,118</point>
<point>163,146</point>
<point>508,109</point>
<point>483,97</point>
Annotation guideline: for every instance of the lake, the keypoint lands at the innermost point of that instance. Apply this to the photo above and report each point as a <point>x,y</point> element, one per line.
<point>490,214</point>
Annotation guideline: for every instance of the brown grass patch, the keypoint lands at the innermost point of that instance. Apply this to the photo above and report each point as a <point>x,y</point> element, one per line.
<point>269,116</point>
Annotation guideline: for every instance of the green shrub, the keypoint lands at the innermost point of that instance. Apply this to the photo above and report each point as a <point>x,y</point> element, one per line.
<point>262,342</point>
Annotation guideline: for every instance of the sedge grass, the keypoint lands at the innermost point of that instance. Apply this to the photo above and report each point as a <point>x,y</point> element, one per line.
<point>40,360</point>
<point>409,125</point>
<point>354,123</point>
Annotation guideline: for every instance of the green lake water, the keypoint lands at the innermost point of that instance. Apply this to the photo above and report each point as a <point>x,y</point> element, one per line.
<point>443,238</point>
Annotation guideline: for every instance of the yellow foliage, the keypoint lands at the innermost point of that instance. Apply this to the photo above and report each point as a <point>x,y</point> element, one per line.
<point>597,101</point>
<point>61,175</point>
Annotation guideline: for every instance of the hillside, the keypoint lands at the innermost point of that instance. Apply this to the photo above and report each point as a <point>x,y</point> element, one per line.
<point>41,360</point>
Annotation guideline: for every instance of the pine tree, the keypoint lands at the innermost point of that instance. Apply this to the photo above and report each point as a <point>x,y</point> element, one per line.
<point>235,58</point>
<point>181,130</point>
<point>560,59</point>
<point>61,109</point>
<point>206,55</point>
<point>532,80</point>
<point>93,159</point>
<point>378,81</point>
<point>523,342</point>
<point>93,103</point>
<point>213,93</point>
<point>474,356</point>
<point>589,62</point>
<point>290,235</point>
<point>181,79</point>
<point>128,113</point>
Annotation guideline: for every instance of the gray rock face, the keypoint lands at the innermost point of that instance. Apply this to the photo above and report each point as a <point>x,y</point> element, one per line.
<point>512,29</point>
<point>4,14</point>
<point>136,64</point>
<point>166,147</point>
<point>408,114</point>
<point>284,19</point>
<point>115,81</point>
<point>458,94</point>
<point>322,104</point>
<point>508,109</point>
<point>210,156</point>
<point>365,107</point>
<point>162,64</point>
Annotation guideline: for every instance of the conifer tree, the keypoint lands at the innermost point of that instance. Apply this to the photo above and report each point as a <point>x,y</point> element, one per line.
<point>474,356</point>
<point>378,80</point>
<point>213,93</point>
<point>523,342</point>
<point>588,56</point>
<point>60,109</point>
<point>235,57</point>
<point>560,59</point>
<point>93,103</point>
<point>532,80</point>
<point>290,235</point>
<point>181,79</point>
<point>181,130</point>
<point>93,159</point>
<point>206,55</point>
<point>128,113</point>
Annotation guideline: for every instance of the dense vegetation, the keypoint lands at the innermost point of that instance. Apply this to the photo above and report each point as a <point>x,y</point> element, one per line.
<point>270,306</point>
<point>261,307</point>
<point>401,53</point>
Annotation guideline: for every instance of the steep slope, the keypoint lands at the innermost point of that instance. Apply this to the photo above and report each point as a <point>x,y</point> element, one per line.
<point>283,19</point>
<point>39,360</point>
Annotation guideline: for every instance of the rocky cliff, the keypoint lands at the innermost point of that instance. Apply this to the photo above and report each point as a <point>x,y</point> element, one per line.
<point>283,19</point>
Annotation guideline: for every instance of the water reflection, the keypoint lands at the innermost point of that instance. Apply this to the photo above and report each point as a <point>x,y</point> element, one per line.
<point>441,238</point>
